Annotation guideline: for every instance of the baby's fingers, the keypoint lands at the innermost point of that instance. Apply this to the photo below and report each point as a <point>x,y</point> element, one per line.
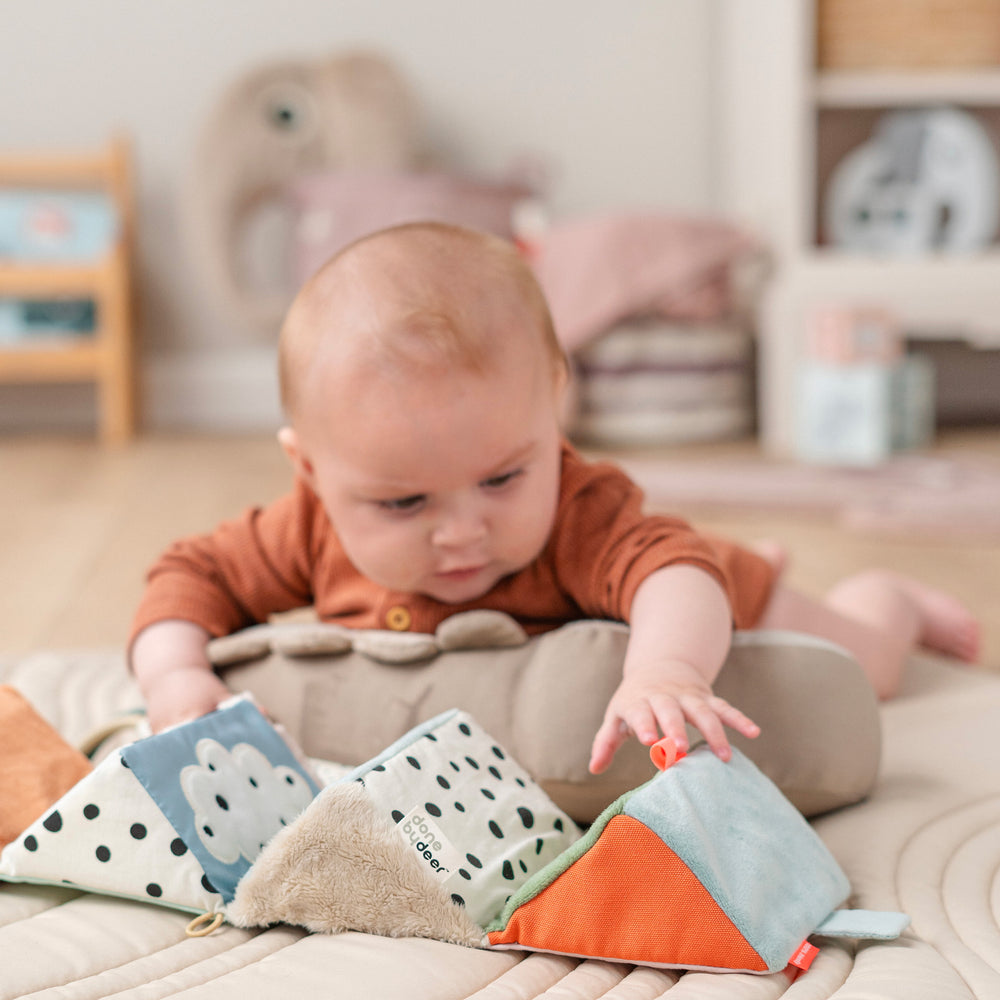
<point>735,719</point>
<point>639,719</point>
<point>710,718</point>
<point>671,719</point>
<point>609,738</point>
<point>705,719</point>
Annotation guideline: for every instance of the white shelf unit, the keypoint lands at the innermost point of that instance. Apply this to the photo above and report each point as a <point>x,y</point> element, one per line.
<point>843,89</point>
<point>783,125</point>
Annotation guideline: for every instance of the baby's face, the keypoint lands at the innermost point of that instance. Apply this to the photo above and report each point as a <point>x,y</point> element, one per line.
<point>443,483</point>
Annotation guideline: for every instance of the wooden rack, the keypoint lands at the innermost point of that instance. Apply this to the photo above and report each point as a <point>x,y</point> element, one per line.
<point>787,121</point>
<point>106,356</point>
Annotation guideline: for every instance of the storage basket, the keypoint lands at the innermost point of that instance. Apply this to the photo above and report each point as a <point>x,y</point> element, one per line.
<point>888,34</point>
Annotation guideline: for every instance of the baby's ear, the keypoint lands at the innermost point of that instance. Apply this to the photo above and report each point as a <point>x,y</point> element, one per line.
<point>567,400</point>
<point>292,447</point>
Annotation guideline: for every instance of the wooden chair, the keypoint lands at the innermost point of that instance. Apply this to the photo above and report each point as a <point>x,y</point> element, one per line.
<point>105,357</point>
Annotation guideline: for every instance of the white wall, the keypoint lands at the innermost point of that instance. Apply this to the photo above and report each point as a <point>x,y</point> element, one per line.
<point>615,97</point>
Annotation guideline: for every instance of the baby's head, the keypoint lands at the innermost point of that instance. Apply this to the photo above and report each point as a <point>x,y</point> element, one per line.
<point>421,377</point>
<point>408,300</point>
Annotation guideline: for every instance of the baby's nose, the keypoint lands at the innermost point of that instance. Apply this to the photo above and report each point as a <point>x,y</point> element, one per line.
<point>459,528</point>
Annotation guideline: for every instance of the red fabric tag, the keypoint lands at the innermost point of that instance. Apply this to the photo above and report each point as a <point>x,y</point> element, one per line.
<point>804,956</point>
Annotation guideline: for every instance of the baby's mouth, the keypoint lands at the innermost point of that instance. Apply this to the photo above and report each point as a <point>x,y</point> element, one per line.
<point>461,573</point>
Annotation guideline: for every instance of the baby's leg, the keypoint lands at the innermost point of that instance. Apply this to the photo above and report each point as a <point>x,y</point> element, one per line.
<point>880,616</point>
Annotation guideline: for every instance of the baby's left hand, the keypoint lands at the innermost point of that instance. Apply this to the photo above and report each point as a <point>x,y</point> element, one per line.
<point>660,699</point>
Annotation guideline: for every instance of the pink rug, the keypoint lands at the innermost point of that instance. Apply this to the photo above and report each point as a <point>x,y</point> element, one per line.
<point>948,495</point>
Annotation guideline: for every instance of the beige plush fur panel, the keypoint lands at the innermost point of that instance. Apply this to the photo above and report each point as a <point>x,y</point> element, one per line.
<point>544,700</point>
<point>342,866</point>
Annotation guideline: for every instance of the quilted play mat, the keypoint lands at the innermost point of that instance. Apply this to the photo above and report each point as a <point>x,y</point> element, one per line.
<point>926,842</point>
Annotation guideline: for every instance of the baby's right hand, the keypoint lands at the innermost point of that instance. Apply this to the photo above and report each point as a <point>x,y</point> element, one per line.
<point>181,694</point>
<point>170,663</point>
<point>663,698</point>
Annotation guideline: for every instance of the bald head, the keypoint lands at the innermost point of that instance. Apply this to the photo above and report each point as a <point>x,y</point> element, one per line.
<point>425,296</point>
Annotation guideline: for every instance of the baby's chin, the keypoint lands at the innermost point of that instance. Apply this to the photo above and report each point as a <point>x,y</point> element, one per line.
<point>462,588</point>
<point>458,595</point>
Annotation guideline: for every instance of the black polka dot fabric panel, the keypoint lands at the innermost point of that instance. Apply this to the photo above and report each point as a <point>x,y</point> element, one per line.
<point>108,835</point>
<point>472,815</point>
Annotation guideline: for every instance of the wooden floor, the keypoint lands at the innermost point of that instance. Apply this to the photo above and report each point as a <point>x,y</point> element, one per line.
<point>80,523</point>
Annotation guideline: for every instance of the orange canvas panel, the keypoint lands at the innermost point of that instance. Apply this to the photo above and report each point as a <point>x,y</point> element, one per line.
<point>631,898</point>
<point>37,766</point>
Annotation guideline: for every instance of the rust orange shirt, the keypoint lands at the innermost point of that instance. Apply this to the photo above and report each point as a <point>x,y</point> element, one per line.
<point>287,555</point>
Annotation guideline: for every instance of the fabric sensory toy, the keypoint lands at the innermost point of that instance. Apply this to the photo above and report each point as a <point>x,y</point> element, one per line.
<point>473,824</point>
<point>706,866</point>
<point>176,818</point>
<point>444,835</point>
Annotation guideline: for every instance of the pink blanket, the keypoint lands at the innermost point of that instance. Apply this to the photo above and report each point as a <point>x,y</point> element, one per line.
<point>602,269</point>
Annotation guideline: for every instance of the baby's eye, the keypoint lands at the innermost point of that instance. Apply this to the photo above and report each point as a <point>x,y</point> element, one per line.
<point>498,482</point>
<point>403,505</point>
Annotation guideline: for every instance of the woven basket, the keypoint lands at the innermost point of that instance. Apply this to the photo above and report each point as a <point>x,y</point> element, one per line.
<point>887,34</point>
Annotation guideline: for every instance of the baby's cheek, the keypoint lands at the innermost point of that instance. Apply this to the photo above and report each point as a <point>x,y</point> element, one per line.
<point>530,533</point>
<point>391,560</point>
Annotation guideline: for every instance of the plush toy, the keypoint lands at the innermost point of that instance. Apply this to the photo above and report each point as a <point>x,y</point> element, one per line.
<point>443,834</point>
<point>705,866</point>
<point>927,180</point>
<point>429,838</point>
<point>345,694</point>
<point>175,819</point>
<point>351,110</point>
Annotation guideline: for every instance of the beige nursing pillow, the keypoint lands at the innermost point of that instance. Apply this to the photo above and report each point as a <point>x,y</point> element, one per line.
<point>347,694</point>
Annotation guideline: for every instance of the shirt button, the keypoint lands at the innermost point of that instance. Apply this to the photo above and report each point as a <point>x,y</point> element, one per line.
<point>398,618</point>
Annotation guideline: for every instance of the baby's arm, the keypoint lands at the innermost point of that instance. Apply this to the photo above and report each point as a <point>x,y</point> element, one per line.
<point>174,674</point>
<point>681,626</point>
<point>247,569</point>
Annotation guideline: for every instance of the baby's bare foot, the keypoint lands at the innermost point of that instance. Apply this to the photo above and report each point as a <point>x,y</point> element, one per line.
<point>946,625</point>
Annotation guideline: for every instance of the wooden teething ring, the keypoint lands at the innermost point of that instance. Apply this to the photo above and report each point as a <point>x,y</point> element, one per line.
<point>204,924</point>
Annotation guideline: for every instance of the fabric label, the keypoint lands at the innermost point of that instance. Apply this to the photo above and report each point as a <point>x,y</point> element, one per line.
<point>803,958</point>
<point>433,848</point>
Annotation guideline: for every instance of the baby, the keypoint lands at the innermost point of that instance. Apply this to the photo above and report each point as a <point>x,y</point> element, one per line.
<point>422,382</point>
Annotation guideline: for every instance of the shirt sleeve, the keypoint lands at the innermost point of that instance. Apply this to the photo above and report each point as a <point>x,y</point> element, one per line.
<point>605,545</point>
<point>249,568</point>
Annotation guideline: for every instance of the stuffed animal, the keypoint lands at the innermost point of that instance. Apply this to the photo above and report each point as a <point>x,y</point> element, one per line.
<point>351,110</point>
<point>928,180</point>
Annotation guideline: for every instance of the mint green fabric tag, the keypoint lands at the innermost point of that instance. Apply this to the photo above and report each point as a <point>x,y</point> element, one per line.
<point>879,925</point>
